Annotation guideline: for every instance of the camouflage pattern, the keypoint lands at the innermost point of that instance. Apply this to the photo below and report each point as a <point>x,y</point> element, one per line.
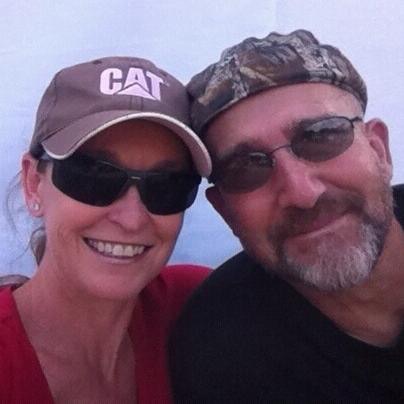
<point>255,65</point>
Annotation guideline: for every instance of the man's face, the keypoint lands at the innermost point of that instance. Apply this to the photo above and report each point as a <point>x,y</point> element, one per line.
<point>322,223</point>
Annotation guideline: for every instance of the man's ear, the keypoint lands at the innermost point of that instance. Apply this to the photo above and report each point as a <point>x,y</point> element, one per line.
<point>215,197</point>
<point>31,179</point>
<point>378,135</point>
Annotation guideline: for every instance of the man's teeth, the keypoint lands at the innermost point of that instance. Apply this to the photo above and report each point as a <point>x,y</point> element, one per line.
<point>116,249</point>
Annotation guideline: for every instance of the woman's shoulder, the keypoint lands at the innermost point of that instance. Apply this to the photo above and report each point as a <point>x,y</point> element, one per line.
<point>162,299</point>
<point>7,304</point>
<point>172,287</point>
<point>185,274</point>
<point>11,332</point>
<point>20,373</point>
<point>13,279</point>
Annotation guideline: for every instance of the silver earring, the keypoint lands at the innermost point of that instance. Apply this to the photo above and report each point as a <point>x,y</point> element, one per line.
<point>35,206</point>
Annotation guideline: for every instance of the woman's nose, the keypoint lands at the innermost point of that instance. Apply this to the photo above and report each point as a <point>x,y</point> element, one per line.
<point>129,211</point>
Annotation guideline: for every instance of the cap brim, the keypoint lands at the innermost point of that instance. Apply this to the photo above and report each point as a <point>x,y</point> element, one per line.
<point>66,141</point>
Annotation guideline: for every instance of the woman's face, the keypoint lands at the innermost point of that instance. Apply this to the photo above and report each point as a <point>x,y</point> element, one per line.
<point>112,251</point>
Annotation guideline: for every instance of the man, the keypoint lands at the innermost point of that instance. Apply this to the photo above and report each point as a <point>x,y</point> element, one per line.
<point>312,310</point>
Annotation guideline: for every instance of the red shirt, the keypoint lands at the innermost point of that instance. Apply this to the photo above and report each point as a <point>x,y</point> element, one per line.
<point>23,381</point>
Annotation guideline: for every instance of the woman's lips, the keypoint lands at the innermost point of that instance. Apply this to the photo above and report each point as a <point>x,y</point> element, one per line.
<point>115,249</point>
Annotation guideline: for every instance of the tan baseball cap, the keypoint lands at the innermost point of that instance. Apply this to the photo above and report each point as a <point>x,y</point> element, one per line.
<point>85,99</point>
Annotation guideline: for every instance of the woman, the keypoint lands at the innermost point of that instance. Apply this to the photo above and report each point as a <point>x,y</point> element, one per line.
<point>110,170</point>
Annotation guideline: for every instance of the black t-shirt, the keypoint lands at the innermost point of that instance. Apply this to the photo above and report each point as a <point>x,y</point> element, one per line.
<point>246,336</point>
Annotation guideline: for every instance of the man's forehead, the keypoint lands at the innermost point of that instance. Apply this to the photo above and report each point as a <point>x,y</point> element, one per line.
<point>275,112</point>
<point>262,120</point>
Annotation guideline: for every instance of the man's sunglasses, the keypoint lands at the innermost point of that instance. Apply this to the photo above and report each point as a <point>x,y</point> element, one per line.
<point>100,183</point>
<point>320,140</point>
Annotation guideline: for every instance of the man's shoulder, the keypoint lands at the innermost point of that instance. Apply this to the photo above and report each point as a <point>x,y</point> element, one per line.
<point>235,270</point>
<point>239,273</point>
<point>236,288</point>
<point>398,195</point>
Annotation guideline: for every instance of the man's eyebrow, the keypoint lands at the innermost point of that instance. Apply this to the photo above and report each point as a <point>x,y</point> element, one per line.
<point>303,122</point>
<point>288,129</point>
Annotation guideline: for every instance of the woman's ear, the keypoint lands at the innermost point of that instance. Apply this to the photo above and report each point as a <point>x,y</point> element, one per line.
<point>31,180</point>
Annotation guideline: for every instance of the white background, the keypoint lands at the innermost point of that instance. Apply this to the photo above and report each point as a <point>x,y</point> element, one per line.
<point>39,37</point>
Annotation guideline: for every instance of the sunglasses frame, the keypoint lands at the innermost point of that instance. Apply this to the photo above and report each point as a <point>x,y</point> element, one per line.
<point>214,178</point>
<point>135,178</point>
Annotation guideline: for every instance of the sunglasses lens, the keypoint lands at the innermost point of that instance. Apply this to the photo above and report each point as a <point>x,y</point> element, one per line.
<point>168,193</point>
<point>318,141</point>
<point>99,183</point>
<point>324,139</point>
<point>87,180</point>
<point>244,172</point>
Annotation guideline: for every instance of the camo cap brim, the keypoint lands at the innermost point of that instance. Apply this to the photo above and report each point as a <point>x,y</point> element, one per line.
<point>277,60</point>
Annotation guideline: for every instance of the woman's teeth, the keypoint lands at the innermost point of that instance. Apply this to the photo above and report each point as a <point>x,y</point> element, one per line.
<point>116,249</point>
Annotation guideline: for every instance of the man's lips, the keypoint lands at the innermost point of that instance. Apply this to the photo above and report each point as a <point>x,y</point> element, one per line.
<point>332,210</point>
<point>323,221</point>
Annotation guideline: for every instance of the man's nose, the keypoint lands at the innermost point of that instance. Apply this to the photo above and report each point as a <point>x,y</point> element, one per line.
<point>296,181</point>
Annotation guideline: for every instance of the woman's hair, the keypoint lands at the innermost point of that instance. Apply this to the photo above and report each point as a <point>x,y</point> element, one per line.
<point>37,242</point>
<point>14,206</point>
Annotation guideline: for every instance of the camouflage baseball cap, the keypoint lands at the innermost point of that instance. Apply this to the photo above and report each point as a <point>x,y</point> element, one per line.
<point>277,60</point>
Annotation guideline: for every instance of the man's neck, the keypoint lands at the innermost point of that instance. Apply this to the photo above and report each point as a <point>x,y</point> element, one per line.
<point>373,311</point>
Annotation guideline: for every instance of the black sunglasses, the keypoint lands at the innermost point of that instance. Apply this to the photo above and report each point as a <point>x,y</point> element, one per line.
<point>99,183</point>
<point>320,140</point>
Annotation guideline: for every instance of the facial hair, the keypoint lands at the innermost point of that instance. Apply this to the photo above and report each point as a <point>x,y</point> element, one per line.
<point>337,263</point>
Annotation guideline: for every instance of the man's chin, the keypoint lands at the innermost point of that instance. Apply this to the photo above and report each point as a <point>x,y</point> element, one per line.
<point>333,264</point>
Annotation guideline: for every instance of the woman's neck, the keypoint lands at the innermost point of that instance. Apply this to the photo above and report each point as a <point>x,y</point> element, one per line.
<point>81,324</point>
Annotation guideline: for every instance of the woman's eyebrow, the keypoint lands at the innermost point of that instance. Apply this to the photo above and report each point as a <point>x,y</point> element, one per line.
<point>111,157</point>
<point>169,165</point>
<point>100,155</point>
